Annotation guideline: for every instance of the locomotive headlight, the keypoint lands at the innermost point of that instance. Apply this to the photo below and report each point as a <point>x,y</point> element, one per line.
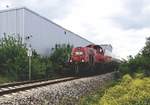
<point>70,60</point>
<point>82,60</point>
<point>79,53</point>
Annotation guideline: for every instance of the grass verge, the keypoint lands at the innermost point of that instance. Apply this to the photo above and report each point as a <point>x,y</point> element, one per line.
<point>128,91</point>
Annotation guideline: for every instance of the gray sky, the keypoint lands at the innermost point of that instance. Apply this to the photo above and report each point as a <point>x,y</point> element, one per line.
<point>123,23</point>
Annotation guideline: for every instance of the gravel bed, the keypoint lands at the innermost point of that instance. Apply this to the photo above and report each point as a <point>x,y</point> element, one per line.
<point>66,93</point>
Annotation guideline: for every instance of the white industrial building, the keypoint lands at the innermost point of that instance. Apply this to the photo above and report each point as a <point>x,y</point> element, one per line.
<point>36,30</point>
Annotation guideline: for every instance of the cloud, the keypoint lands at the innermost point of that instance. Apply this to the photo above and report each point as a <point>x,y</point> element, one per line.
<point>135,15</point>
<point>123,23</point>
<point>52,9</point>
<point>95,21</point>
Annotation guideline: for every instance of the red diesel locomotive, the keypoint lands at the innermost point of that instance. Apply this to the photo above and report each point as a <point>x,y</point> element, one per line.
<point>91,57</point>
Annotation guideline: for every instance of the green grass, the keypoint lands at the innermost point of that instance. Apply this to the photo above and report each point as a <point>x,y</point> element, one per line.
<point>4,79</point>
<point>93,98</point>
<point>129,91</point>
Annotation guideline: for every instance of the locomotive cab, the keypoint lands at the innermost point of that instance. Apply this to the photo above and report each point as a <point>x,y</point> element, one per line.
<point>91,58</point>
<point>98,53</point>
<point>78,55</point>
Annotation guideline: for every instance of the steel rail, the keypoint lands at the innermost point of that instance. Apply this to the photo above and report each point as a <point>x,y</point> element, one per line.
<point>18,83</point>
<point>30,85</point>
<point>23,82</point>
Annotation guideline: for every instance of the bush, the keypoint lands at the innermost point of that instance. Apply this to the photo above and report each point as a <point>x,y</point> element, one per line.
<point>14,60</point>
<point>138,64</point>
<point>139,75</point>
<point>13,57</point>
<point>93,98</point>
<point>126,79</point>
<point>60,56</point>
<point>128,92</point>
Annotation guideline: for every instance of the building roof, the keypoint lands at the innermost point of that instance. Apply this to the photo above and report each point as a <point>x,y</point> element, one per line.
<point>12,9</point>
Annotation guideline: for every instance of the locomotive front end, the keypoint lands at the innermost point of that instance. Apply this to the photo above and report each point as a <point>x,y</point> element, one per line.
<point>78,55</point>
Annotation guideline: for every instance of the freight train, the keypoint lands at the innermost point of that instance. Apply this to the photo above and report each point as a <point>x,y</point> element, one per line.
<point>92,59</point>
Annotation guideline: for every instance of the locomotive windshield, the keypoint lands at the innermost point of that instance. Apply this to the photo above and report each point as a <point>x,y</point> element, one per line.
<point>78,51</point>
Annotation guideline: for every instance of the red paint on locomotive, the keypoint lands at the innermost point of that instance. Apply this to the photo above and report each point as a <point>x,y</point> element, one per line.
<point>91,53</point>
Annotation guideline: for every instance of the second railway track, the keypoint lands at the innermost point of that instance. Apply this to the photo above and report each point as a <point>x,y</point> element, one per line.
<point>21,86</point>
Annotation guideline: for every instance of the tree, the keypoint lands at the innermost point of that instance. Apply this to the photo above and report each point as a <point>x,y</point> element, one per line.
<point>139,63</point>
<point>60,56</point>
<point>146,49</point>
<point>13,57</point>
<point>14,60</point>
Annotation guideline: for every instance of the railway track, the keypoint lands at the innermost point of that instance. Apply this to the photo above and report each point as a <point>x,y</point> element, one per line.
<point>22,86</point>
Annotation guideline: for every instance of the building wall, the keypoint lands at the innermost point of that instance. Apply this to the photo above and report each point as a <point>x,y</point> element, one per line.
<point>11,22</point>
<point>36,30</point>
